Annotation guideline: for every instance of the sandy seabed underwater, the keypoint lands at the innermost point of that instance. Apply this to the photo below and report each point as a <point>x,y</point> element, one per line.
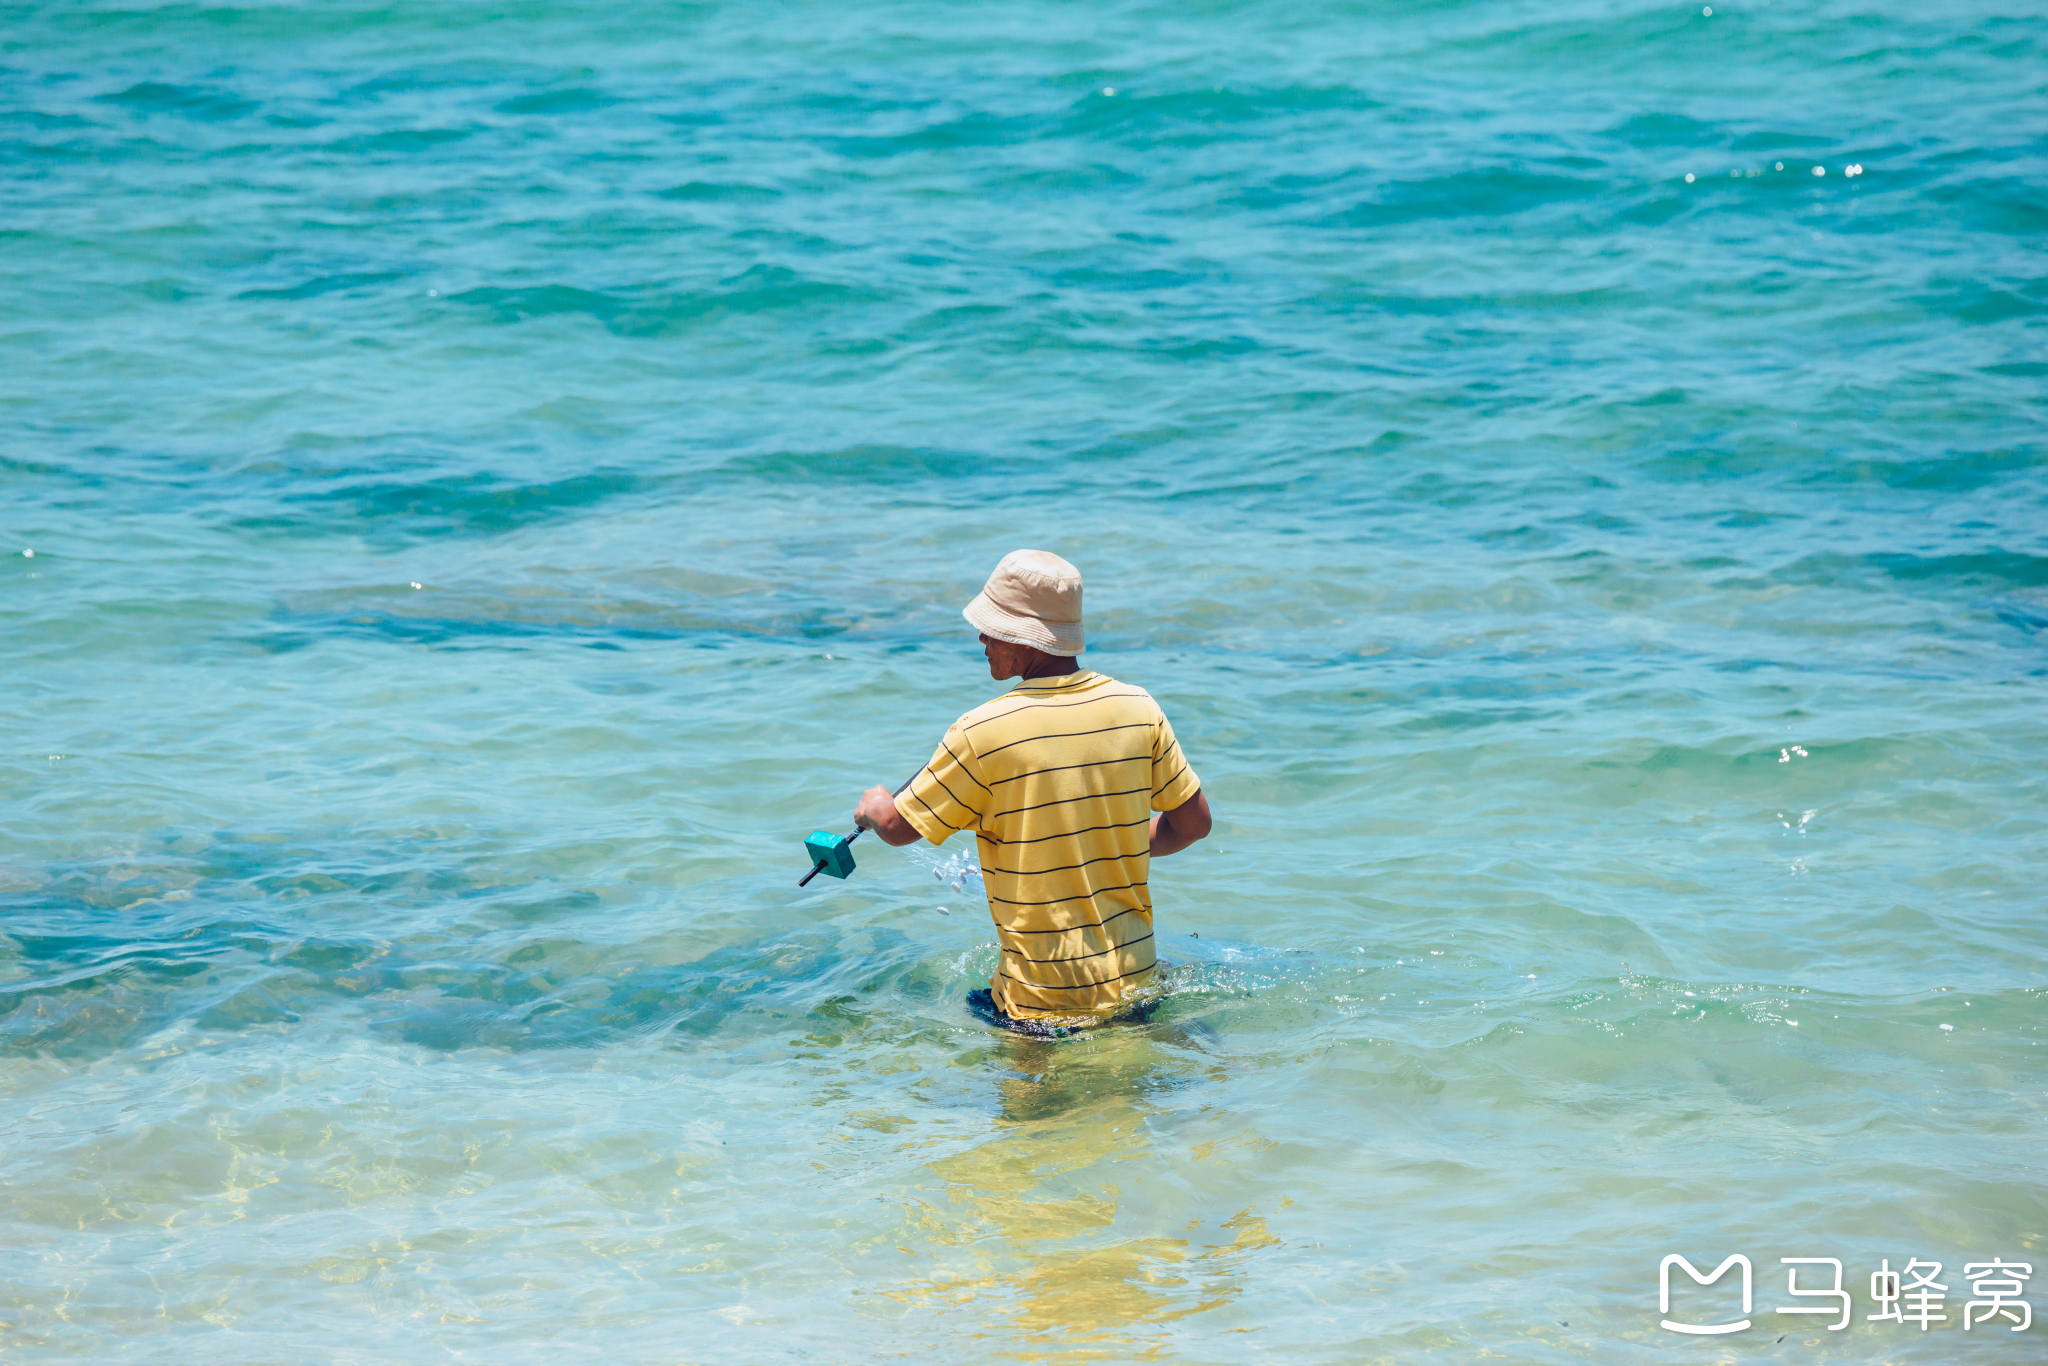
<point>499,475</point>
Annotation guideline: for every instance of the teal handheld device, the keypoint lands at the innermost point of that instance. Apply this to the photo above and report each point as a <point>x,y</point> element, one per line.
<point>830,853</point>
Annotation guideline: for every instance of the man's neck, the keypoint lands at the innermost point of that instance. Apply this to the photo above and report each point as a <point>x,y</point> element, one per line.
<point>1047,666</point>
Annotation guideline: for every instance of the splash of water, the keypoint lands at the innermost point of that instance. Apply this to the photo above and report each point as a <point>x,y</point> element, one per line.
<point>960,870</point>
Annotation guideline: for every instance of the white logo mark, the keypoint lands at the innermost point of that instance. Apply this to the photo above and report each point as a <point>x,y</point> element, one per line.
<point>1664,1292</point>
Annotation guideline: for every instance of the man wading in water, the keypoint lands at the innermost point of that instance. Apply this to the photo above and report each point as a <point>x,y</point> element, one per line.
<point>1057,778</point>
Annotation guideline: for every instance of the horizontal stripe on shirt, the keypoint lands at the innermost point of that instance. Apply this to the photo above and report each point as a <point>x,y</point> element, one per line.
<point>1063,900</point>
<point>1069,834</point>
<point>1062,801</point>
<point>1065,768</point>
<point>1087,925</point>
<point>1079,958</point>
<point>1035,706</point>
<point>1061,735</point>
<point>1078,986</point>
<point>1063,868</point>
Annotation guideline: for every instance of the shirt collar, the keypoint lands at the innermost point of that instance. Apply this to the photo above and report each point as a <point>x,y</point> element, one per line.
<point>1058,682</point>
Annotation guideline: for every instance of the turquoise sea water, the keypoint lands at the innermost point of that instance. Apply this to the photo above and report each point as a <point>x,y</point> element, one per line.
<point>499,475</point>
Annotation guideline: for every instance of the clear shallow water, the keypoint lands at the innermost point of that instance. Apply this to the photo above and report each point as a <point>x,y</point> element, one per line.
<point>1608,613</point>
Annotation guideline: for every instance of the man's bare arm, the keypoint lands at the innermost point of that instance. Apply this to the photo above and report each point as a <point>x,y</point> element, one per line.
<point>1175,830</point>
<point>877,812</point>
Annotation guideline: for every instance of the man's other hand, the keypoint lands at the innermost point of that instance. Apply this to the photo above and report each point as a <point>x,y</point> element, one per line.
<point>877,812</point>
<point>1175,830</point>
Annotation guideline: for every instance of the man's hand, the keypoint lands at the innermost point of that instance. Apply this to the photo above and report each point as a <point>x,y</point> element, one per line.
<point>1175,830</point>
<point>877,812</point>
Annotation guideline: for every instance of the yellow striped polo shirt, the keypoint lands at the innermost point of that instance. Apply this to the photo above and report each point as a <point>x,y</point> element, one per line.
<point>1058,778</point>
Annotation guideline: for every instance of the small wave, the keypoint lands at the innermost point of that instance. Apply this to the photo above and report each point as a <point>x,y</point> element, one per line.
<point>1493,193</point>
<point>854,465</point>
<point>2027,608</point>
<point>325,284</point>
<point>2003,204</point>
<point>706,192</point>
<point>455,616</point>
<point>470,504</point>
<point>397,141</point>
<point>575,100</point>
<point>1958,471</point>
<point>758,290</point>
<point>187,101</point>
<point>1659,130</point>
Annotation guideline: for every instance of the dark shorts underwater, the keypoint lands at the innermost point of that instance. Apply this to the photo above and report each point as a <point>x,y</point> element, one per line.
<point>983,1005</point>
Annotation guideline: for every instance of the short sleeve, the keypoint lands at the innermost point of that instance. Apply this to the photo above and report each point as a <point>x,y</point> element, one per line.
<point>1173,782</point>
<point>945,795</point>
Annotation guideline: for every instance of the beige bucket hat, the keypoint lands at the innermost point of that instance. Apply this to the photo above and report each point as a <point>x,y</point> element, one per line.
<point>1033,598</point>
